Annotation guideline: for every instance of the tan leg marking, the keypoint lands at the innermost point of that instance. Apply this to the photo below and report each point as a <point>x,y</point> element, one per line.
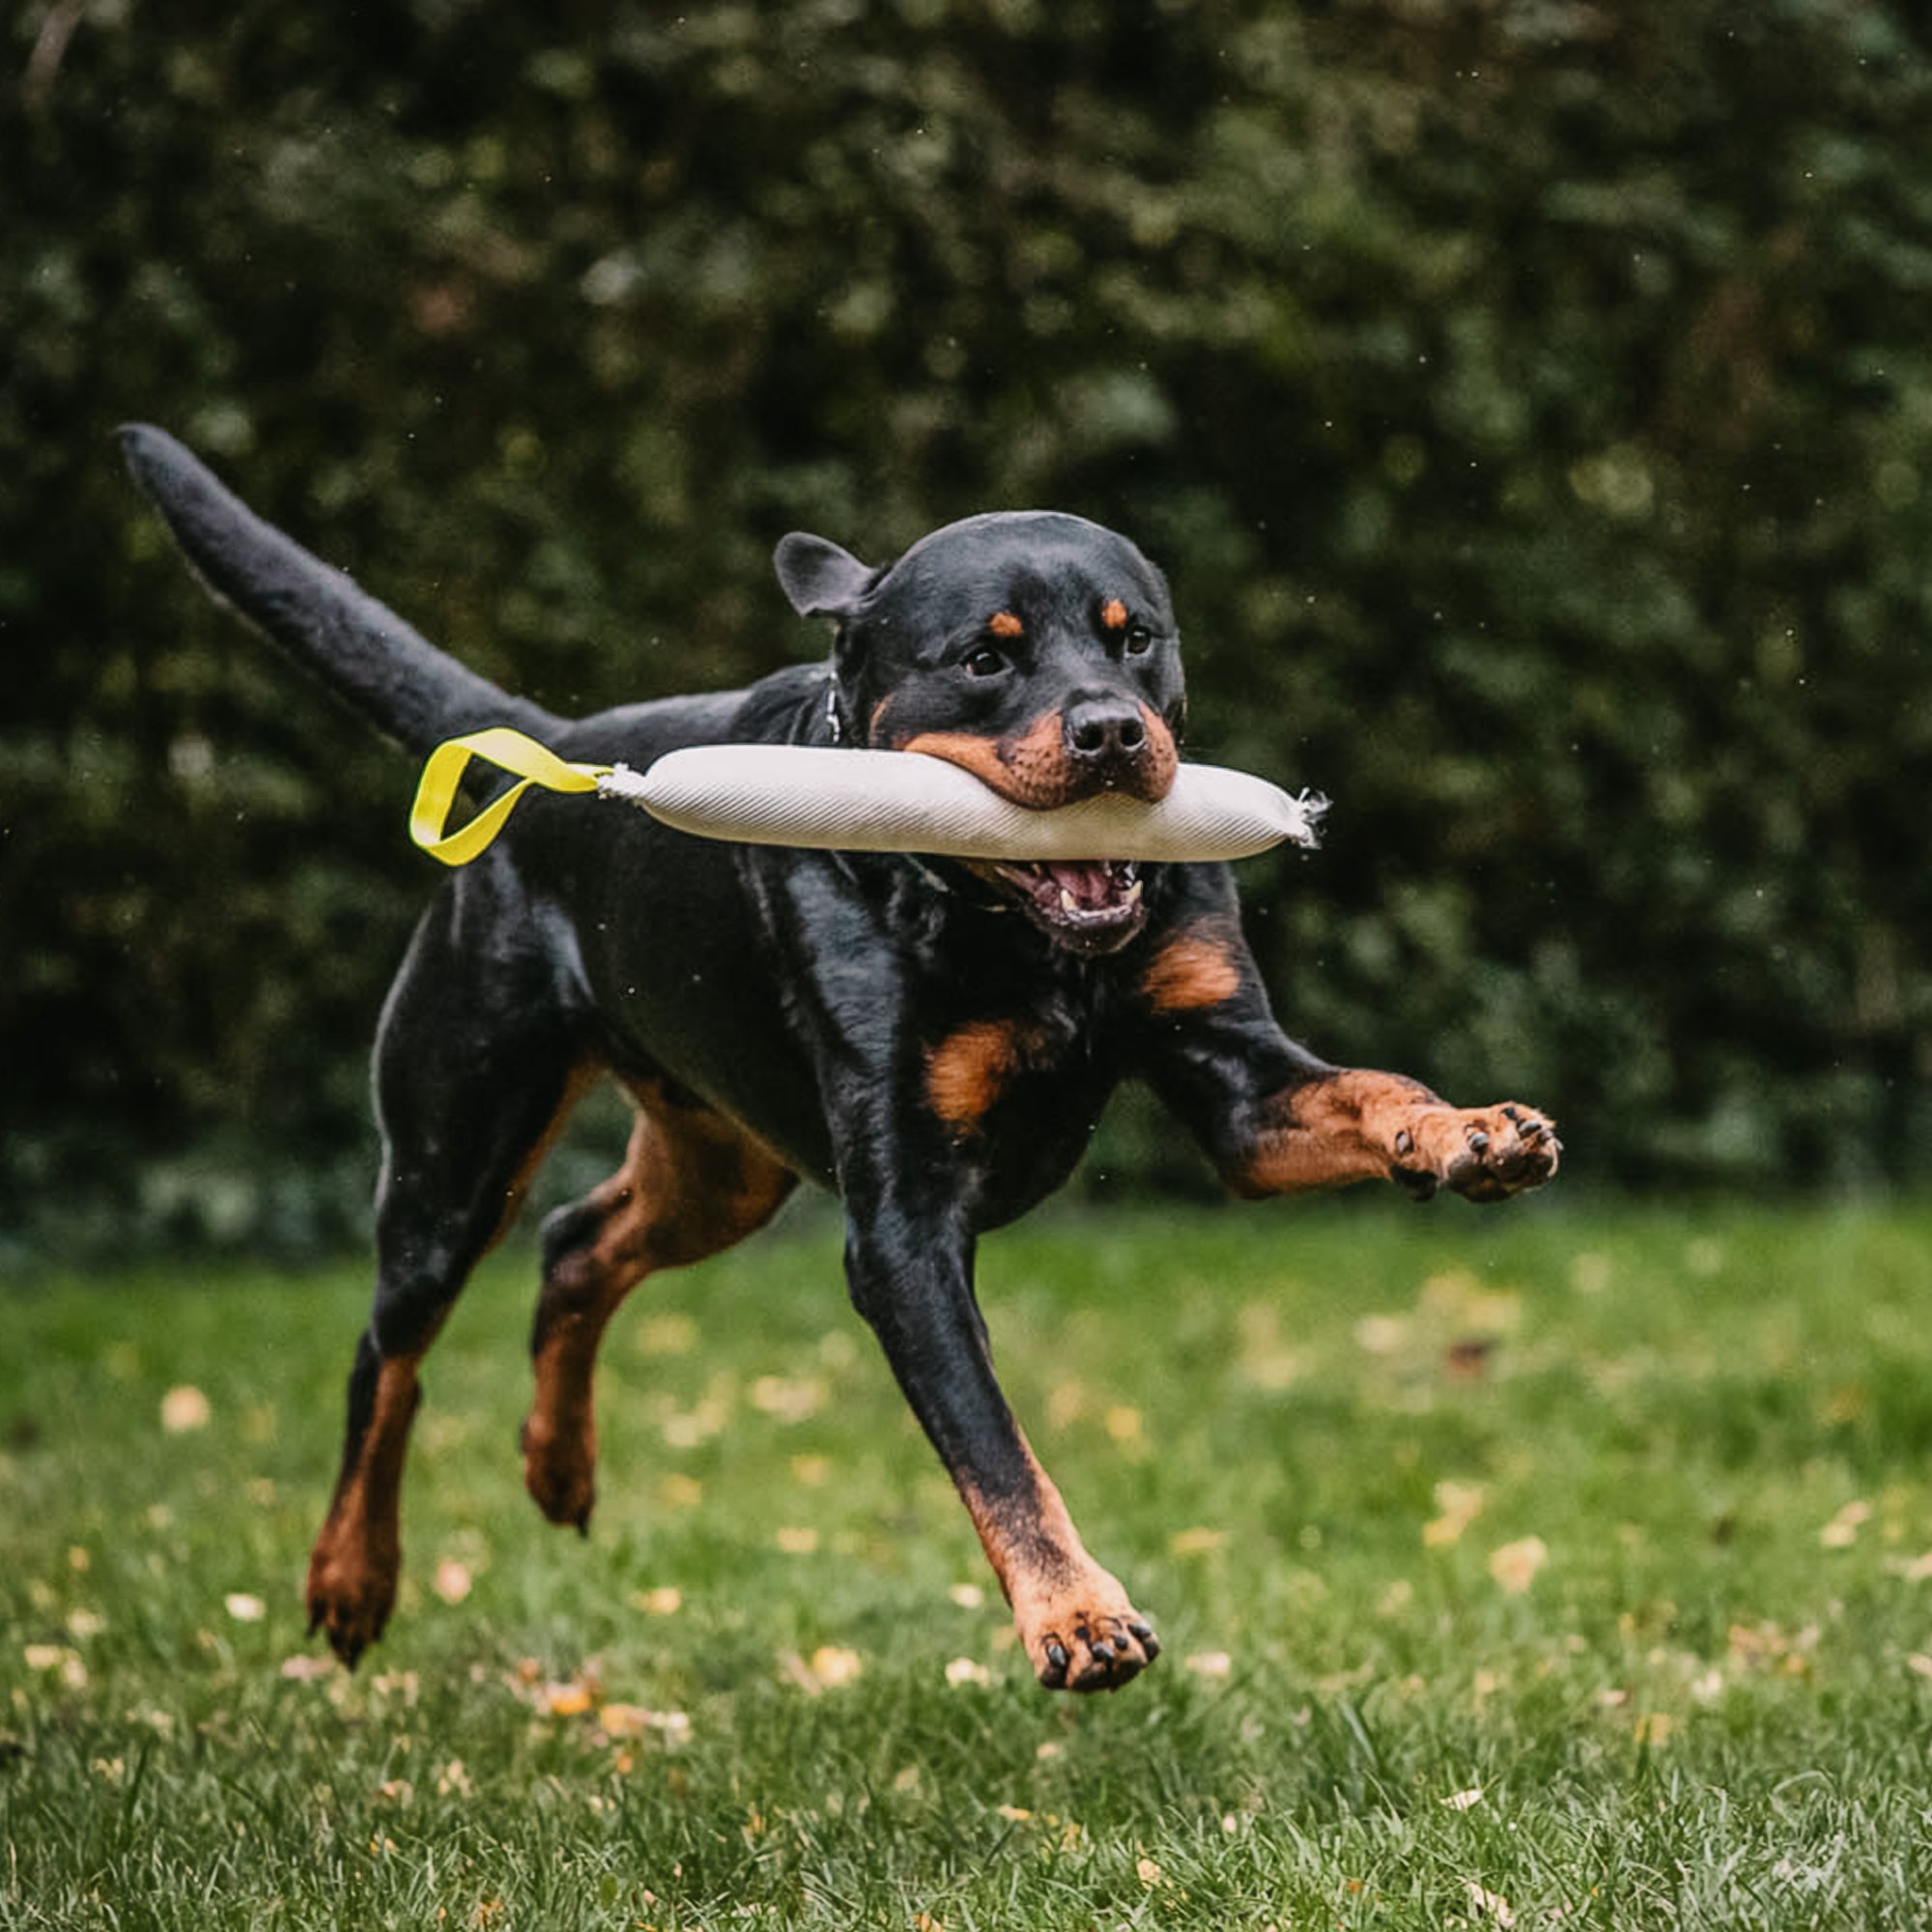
<point>968,1070</point>
<point>352,1569</point>
<point>692,1185</point>
<point>1075,1620</point>
<point>357,1555</point>
<point>1357,1125</point>
<point>1193,969</point>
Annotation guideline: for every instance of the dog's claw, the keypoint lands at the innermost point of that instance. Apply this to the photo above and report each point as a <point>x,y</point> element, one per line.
<point>1482,1153</point>
<point>559,1472</point>
<point>1098,1650</point>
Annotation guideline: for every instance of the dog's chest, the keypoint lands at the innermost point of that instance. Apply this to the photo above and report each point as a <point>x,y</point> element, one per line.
<point>1018,1090</point>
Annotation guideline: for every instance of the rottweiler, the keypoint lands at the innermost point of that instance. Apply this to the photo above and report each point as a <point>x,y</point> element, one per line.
<point>932,1039</point>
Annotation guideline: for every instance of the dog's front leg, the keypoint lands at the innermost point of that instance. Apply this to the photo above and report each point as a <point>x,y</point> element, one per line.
<point>1276,1119</point>
<point>910,1269</point>
<point>1349,1124</point>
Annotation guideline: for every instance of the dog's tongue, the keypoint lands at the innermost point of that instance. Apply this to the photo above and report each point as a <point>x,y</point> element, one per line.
<point>1088,881</point>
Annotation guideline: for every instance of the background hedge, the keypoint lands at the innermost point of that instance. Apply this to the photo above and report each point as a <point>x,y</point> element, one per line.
<point>1531,402</point>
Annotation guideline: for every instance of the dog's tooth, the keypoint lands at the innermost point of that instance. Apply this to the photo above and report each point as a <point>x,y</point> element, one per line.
<point>1132,895</point>
<point>1067,902</point>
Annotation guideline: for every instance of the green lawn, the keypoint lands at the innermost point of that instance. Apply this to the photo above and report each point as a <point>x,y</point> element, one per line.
<point>1554,1564</point>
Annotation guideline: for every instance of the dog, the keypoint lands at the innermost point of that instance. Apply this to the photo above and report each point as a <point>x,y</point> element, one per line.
<point>932,1039</point>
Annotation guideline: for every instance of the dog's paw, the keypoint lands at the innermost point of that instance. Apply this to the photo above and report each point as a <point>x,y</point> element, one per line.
<point>1484,1153</point>
<point>560,1471</point>
<point>351,1591</point>
<point>1087,1637</point>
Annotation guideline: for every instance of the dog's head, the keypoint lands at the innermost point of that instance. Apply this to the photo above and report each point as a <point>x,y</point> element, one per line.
<point>1036,650</point>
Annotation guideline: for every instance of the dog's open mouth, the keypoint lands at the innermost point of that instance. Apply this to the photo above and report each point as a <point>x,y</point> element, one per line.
<point>1088,905</point>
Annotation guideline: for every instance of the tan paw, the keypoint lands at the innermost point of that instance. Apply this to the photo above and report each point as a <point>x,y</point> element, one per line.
<point>560,1471</point>
<point>1484,1153</point>
<point>1085,1637</point>
<point>351,1591</point>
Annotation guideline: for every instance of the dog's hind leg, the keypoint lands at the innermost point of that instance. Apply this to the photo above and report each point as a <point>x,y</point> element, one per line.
<point>691,1186</point>
<point>474,1063</point>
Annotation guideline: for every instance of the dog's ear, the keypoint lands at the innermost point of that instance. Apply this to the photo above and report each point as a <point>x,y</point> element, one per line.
<point>821,580</point>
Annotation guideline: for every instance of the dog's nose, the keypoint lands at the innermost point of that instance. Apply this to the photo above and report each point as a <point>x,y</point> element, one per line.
<point>1105,731</point>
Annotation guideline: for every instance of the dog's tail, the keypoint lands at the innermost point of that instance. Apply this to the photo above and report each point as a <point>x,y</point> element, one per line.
<point>397,679</point>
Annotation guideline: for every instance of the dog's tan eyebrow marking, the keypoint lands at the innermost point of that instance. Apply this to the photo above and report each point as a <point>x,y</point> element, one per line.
<point>1004,624</point>
<point>1114,614</point>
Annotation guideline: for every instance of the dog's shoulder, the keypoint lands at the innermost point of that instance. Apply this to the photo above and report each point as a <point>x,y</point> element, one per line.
<point>777,709</point>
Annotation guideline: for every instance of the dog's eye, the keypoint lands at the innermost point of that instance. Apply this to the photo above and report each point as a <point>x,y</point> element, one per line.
<point>984,662</point>
<point>1139,641</point>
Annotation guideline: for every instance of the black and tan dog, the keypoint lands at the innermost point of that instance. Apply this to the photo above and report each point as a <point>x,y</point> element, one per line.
<point>932,1039</point>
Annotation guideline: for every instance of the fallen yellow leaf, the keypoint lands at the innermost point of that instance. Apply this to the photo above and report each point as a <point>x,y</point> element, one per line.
<point>1842,1531</point>
<point>668,1335</point>
<point>633,1721</point>
<point>1485,1900</point>
<point>452,1581</point>
<point>1514,1565</point>
<point>1459,1504</point>
<point>1196,1542</point>
<point>183,1409</point>
<point>787,1400</point>
<point>833,1666</point>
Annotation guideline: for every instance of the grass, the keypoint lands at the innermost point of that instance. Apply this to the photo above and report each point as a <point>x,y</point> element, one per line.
<point>1549,1565</point>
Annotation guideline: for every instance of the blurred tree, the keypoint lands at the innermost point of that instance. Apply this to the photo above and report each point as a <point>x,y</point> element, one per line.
<point>1531,403</point>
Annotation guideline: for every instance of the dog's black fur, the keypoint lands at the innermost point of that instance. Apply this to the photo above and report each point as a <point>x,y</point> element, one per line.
<point>934,1040</point>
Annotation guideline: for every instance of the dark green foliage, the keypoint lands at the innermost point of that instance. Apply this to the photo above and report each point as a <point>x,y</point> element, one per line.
<point>1531,404</point>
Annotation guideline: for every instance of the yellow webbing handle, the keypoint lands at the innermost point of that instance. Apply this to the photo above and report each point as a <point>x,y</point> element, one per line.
<point>436,796</point>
